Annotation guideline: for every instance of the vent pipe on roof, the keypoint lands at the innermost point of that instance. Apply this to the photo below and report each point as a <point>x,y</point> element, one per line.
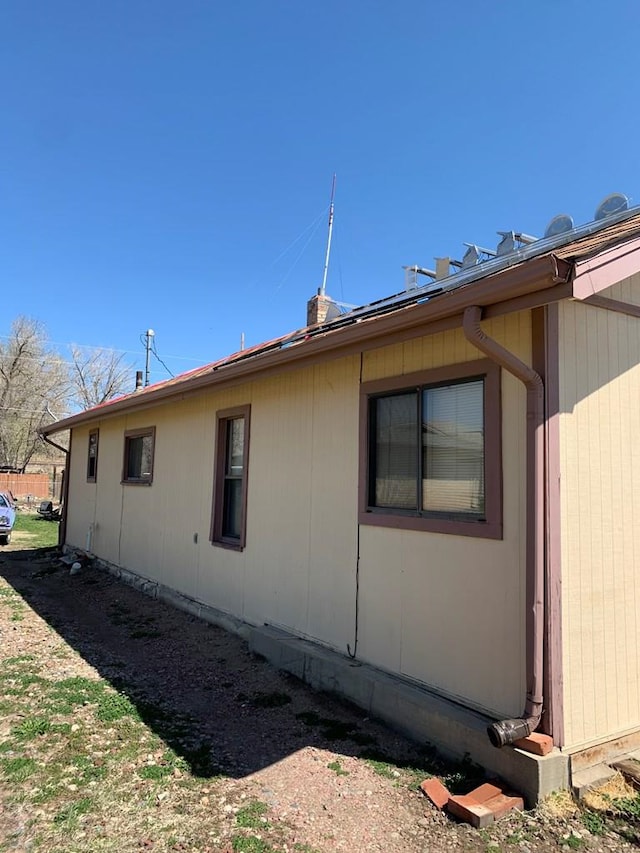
<point>139,375</point>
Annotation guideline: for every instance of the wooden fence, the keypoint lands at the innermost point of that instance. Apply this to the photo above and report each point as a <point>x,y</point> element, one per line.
<point>23,486</point>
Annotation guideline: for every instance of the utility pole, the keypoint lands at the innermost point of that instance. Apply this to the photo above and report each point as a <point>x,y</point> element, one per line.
<point>148,338</point>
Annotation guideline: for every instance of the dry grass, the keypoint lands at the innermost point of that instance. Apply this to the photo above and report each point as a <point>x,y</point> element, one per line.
<point>604,797</point>
<point>560,805</point>
<point>201,747</point>
<point>88,771</point>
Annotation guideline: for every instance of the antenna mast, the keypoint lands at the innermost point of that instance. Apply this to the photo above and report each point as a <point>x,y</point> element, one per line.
<point>326,260</point>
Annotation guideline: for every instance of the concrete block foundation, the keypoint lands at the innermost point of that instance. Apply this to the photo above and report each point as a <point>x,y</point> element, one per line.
<point>422,715</point>
<point>418,713</point>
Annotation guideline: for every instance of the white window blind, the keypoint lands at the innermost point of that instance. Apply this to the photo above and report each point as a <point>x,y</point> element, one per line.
<point>453,449</point>
<point>433,437</point>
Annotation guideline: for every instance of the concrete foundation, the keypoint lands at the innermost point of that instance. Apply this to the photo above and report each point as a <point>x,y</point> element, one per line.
<point>586,780</point>
<point>415,711</point>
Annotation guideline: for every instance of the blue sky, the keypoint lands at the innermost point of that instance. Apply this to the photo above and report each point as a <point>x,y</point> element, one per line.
<point>169,165</point>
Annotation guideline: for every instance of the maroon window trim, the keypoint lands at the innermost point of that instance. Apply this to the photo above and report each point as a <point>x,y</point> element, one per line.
<point>127,477</point>
<point>488,528</point>
<point>92,458</point>
<point>216,536</point>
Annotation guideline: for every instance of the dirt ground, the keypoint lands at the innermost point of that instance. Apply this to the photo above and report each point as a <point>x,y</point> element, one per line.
<point>260,762</point>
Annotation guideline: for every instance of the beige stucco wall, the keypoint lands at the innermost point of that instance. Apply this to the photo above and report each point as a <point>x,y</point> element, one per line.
<point>445,610</point>
<point>600,506</point>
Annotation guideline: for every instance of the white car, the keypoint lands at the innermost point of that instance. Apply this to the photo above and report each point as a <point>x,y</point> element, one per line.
<point>7,517</point>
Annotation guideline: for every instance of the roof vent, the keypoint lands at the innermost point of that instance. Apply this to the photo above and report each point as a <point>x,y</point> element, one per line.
<point>614,203</point>
<point>560,224</point>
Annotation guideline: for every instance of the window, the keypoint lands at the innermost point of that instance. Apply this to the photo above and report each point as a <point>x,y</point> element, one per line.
<point>228,525</point>
<point>92,457</point>
<point>430,456</point>
<point>138,456</point>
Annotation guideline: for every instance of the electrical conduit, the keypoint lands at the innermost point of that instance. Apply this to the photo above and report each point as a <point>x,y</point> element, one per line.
<point>508,731</point>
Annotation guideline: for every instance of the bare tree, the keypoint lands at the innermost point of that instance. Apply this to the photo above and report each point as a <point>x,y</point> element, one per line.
<point>33,383</point>
<point>97,376</point>
<point>37,387</point>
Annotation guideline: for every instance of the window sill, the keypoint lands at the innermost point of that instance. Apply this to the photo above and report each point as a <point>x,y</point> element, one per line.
<point>136,482</point>
<point>449,526</point>
<point>228,544</point>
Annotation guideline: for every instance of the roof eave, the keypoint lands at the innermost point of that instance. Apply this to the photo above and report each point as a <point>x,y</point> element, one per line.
<point>536,274</point>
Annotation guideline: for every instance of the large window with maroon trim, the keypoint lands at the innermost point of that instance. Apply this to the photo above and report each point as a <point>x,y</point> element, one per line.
<point>229,516</point>
<point>431,457</point>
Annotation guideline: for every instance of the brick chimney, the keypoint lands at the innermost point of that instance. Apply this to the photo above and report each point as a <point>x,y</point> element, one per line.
<point>320,309</point>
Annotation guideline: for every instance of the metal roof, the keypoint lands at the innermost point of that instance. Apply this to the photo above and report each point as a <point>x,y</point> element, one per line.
<point>505,276</point>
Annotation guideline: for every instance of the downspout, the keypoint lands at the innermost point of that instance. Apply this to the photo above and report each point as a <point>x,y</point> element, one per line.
<point>508,731</point>
<point>62,530</point>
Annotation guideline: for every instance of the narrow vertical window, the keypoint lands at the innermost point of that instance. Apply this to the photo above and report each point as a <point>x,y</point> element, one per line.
<point>228,526</point>
<point>92,457</point>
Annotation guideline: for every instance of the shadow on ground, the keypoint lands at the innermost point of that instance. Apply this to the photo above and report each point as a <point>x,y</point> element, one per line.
<point>222,709</point>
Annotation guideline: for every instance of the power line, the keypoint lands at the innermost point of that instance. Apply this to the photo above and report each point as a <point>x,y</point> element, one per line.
<point>154,351</point>
<point>108,350</point>
<point>42,360</point>
<point>149,342</point>
<point>25,416</point>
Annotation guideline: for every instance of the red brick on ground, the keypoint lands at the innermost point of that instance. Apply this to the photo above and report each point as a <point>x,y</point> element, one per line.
<point>504,803</point>
<point>536,743</point>
<point>471,811</point>
<point>436,792</point>
<point>484,805</point>
<point>485,792</point>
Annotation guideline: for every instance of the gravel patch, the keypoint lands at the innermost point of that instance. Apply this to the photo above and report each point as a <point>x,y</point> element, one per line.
<point>263,760</point>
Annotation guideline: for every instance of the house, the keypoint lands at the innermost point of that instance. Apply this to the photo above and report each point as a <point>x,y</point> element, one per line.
<point>429,504</point>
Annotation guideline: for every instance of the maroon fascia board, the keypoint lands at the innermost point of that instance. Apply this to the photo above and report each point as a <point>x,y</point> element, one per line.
<point>595,274</point>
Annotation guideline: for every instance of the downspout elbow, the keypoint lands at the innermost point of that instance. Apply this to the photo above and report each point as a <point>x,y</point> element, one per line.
<point>46,438</point>
<point>508,731</point>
